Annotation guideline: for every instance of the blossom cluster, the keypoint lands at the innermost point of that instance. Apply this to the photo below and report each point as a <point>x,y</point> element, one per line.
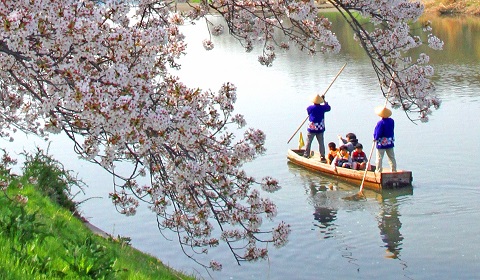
<point>255,22</point>
<point>388,43</point>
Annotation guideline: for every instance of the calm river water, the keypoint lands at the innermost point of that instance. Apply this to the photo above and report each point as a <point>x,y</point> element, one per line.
<point>429,232</point>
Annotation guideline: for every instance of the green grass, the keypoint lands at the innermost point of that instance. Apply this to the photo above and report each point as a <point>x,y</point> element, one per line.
<point>43,239</point>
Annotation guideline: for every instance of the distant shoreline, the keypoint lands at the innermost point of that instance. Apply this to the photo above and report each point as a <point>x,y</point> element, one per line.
<point>466,7</point>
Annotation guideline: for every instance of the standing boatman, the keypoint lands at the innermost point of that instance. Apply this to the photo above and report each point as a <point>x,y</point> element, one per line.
<point>316,126</point>
<point>384,137</point>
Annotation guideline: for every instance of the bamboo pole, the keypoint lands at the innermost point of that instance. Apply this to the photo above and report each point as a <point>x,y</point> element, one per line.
<point>323,95</point>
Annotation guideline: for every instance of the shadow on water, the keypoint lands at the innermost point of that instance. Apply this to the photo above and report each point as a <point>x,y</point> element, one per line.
<point>327,196</point>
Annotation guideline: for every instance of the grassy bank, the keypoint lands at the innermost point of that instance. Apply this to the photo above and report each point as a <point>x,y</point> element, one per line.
<point>42,239</point>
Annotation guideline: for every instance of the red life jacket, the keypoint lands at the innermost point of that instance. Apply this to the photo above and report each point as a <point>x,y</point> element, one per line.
<point>359,156</point>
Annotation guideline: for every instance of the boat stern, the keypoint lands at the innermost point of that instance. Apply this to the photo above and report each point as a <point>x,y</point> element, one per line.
<point>392,180</point>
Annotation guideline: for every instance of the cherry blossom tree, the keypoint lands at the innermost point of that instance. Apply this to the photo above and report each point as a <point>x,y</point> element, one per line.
<point>101,73</point>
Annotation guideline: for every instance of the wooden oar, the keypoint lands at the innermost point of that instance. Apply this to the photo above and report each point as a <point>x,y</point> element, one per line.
<point>360,194</point>
<point>366,168</point>
<point>323,95</point>
<point>297,130</point>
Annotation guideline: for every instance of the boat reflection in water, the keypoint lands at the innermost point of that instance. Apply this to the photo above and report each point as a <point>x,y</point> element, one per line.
<point>329,196</point>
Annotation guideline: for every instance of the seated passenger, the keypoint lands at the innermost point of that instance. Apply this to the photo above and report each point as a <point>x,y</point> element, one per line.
<point>343,158</point>
<point>350,141</point>
<point>332,152</point>
<point>359,158</point>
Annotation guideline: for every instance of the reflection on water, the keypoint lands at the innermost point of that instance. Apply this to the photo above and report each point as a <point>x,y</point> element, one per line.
<point>460,35</point>
<point>389,225</point>
<point>328,196</point>
<point>456,66</point>
<point>324,214</point>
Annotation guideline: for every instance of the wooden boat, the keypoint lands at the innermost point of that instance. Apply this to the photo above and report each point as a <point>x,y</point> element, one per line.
<point>374,181</point>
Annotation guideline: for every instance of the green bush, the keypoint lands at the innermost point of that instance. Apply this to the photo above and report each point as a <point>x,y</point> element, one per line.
<point>52,179</point>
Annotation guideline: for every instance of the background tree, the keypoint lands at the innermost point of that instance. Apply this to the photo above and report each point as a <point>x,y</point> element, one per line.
<point>100,72</point>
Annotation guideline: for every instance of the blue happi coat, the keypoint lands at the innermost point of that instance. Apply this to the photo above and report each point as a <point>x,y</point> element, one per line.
<point>384,133</point>
<point>316,116</point>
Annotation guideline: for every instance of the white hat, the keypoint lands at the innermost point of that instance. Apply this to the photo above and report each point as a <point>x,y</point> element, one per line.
<point>317,99</point>
<point>383,112</point>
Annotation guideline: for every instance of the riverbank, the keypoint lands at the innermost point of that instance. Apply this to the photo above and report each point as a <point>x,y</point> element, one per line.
<point>452,7</point>
<point>42,237</point>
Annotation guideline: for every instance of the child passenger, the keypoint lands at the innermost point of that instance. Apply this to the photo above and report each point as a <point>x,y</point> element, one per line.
<point>359,158</point>
<point>332,152</point>
<point>343,158</point>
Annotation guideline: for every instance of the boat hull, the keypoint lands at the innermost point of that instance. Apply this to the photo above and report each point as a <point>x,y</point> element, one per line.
<point>373,180</point>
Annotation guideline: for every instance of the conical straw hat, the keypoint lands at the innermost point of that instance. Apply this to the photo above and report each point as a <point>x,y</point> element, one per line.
<point>383,112</point>
<point>317,99</point>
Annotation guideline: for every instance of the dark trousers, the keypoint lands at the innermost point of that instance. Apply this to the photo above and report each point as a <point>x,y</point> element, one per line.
<point>320,140</point>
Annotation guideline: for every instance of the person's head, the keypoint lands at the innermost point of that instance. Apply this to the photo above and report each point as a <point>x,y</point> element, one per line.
<point>332,146</point>
<point>383,112</point>
<point>343,149</point>
<point>317,99</point>
<point>351,136</point>
<point>359,147</point>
